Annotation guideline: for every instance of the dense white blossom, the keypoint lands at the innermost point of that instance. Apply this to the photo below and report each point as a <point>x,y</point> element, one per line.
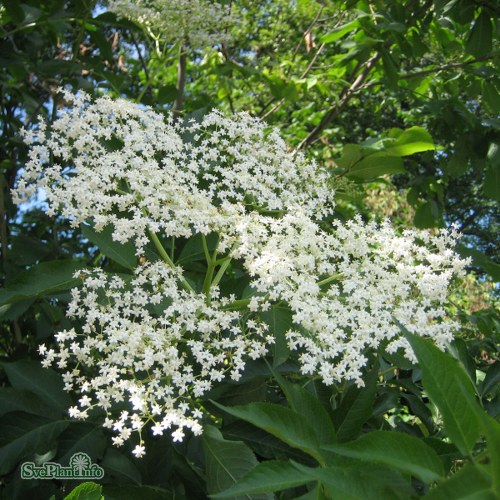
<point>146,341</point>
<point>348,288</point>
<point>120,164</point>
<point>156,342</point>
<point>201,22</point>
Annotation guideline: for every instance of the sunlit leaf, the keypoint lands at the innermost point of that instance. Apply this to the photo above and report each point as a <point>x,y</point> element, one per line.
<point>451,390</point>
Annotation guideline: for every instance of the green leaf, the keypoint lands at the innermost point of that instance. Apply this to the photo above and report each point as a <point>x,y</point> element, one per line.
<point>491,96</point>
<point>493,154</point>
<point>376,158</point>
<point>451,390</point>
<point>242,393</point>
<point>491,381</point>
<point>459,350</point>
<point>351,154</point>
<point>374,166</point>
<point>394,26</point>
<point>167,93</point>
<point>456,166</point>
<point>12,400</point>
<point>410,141</point>
<point>226,461</point>
<point>139,493</point>
<point>492,432</point>
<point>103,43</point>
<point>123,254</point>
<point>267,477</point>
<point>424,216</point>
<point>339,32</point>
<point>471,482</point>
<point>110,18</point>
<point>316,493</point>
<point>285,424</point>
<point>28,250</point>
<point>356,407</point>
<point>279,319</point>
<point>263,443</point>
<point>479,42</point>
<point>360,482</point>
<point>390,69</point>
<point>396,450</point>
<point>116,464</point>
<point>492,182</point>
<point>481,260</point>
<point>41,280</point>
<point>282,89</point>
<point>57,68</point>
<point>157,466</point>
<point>10,312</point>
<point>193,249</point>
<point>86,491</point>
<point>24,434</point>
<point>303,402</point>
<point>14,10</point>
<point>45,383</point>
<point>82,437</point>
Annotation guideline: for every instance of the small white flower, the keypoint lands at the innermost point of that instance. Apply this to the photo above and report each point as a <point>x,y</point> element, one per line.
<point>157,429</point>
<point>139,451</point>
<point>178,435</point>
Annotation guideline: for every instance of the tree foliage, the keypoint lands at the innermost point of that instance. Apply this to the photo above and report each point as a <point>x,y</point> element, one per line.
<point>399,101</point>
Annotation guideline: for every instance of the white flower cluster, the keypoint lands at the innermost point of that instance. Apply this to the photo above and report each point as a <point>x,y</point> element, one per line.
<point>138,171</point>
<point>158,345</point>
<point>202,22</point>
<point>347,287</point>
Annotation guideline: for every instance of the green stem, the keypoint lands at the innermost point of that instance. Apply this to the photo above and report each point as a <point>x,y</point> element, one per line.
<point>97,259</point>
<point>143,91</point>
<point>161,250</point>
<point>236,305</point>
<point>333,277</point>
<point>212,264</point>
<point>241,304</point>
<point>222,260</point>
<point>221,272</point>
<point>207,283</point>
<point>205,249</point>
<point>172,247</point>
<point>164,255</point>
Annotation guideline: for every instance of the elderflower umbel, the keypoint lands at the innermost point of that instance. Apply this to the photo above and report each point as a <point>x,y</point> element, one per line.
<point>157,344</point>
<point>348,288</point>
<point>202,22</point>
<point>121,165</point>
<point>146,341</point>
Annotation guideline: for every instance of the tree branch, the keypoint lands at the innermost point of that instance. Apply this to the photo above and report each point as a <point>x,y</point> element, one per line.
<point>356,85</point>
<point>294,55</point>
<point>303,75</point>
<point>308,30</point>
<point>139,53</point>
<point>445,67</point>
<point>181,80</point>
<point>345,96</point>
